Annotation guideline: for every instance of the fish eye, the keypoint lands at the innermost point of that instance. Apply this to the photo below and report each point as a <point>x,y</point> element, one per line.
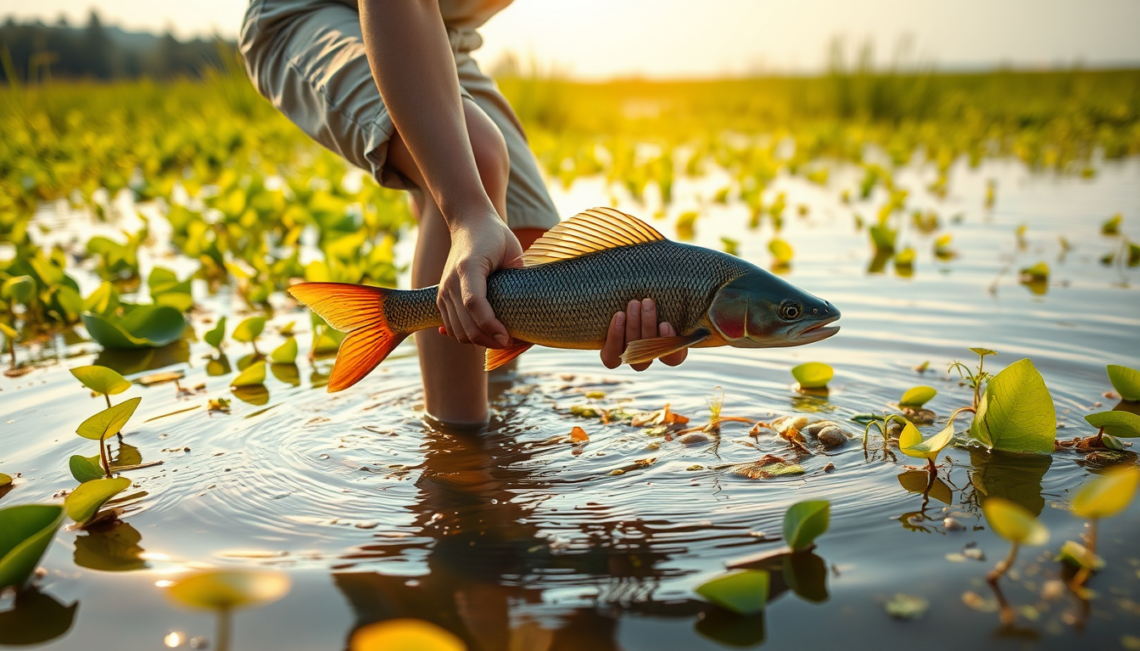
<point>790,311</point>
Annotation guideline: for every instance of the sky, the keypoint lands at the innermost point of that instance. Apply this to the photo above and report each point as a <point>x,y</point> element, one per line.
<point>598,39</point>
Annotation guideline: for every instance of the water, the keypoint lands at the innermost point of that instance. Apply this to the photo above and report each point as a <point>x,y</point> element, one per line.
<point>515,539</point>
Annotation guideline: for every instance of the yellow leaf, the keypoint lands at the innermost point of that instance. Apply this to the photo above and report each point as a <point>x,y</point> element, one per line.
<point>229,589</point>
<point>405,635</point>
<point>1108,494</point>
<point>579,435</point>
<point>1014,523</point>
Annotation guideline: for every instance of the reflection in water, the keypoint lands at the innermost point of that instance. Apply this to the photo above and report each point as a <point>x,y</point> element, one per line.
<point>257,396</point>
<point>113,547</point>
<point>128,362</point>
<point>287,373</point>
<point>1015,477</point>
<point>219,365</point>
<point>35,618</point>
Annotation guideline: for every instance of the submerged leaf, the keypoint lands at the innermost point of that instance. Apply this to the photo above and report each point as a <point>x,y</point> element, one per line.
<point>813,375</point>
<point>744,592</point>
<point>85,501</point>
<point>109,421</point>
<point>1126,381</point>
<point>917,396</point>
<point>1108,494</point>
<point>806,521</point>
<point>101,379</point>
<point>230,589</point>
<point>1123,424</point>
<point>26,531</point>
<point>1012,522</point>
<point>1016,412</point>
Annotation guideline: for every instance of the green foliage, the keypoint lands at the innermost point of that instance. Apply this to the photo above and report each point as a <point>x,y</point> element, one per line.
<point>1038,272</point>
<point>104,301</point>
<point>216,335</point>
<point>1111,226</point>
<point>254,376</point>
<point>85,469</point>
<point>804,522</point>
<point>1108,494</point>
<point>917,396</point>
<point>5,480</point>
<point>744,592</point>
<point>1077,555</point>
<point>912,445</point>
<point>1012,522</point>
<point>144,326</point>
<point>109,421</point>
<point>26,531</point>
<point>101,379</point>
<point>1126,381</point>
<point>1122,424</point>
<point>286,353</point>
<point>813,375</point>
<point>249,330</point>
<point>85,501</point>
<point>18,289</point>
<point>1016,414</point>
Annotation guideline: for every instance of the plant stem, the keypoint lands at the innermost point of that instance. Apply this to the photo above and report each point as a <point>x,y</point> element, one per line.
<point>103,457</point>
<point>1003,565</point>
<point>12,351</point>
<point>107,396</point>
<point>1090,558</point>
<point>932,468</point>
<point>222,634</point>
<point>1100,443</point>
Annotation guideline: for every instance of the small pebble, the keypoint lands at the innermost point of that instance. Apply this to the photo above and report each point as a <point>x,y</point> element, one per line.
<point>1053,590</point>
<point>974,553</point>
<point>832,437</point>
<point>829,467</point>
<point>695,438</point>
<point>952,524</point>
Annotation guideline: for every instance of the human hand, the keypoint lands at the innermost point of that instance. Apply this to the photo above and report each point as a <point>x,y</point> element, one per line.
<point>477,249</point>
<point>639,321</point>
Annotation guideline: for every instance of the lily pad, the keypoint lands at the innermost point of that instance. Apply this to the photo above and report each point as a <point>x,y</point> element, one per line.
<point>1016,413</point>
<point>806,521</point>
<point>109,421</point>
<point>744,592</point>
<point>286,353</point>
<point>101,379</point>
<point>1123,424</point>
<point>25,533</point>
<point>813,375</point>
<point>85,501</point>
<point>1014,523</point>
<point>249,329</point>
<point>912,445</point>
<point>1108,494</point>
<point>85,469</point>
<point>1126,381</point>
<point>230,589</point>
<point>216,335</point>
<point>254,376</point>
<point>145,326</point>
<point>396,634</point>
<point>917,396</point>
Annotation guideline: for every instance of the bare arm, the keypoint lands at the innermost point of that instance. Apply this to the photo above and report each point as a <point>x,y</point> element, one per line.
<point>411,60</point>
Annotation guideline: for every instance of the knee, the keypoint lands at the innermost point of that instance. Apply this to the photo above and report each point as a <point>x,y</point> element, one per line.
<point>490,149</point>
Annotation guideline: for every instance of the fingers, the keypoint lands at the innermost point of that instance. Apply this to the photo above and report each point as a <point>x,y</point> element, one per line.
<point>467,315</point>
<point>633,321</point>
<point>672,359</point>
<point>615,341</point>
<point>648,319</point>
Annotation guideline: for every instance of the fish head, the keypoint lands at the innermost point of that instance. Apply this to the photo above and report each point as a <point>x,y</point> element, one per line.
<point>761,310</point>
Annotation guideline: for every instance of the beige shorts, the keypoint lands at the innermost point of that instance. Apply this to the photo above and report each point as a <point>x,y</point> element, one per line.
<point>307,57</point>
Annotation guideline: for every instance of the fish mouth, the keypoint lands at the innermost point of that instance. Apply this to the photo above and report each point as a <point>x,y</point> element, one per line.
<point>819,331</point>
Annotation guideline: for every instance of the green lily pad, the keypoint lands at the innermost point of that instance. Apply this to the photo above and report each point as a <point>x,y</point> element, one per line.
<point>806,521</point>
<point>1108,494</point>
<point>216,335</point>
<point>286,353</point>
<point>25,533</point>
<point>813,375</point>
<point>101,379</point>
<point>109,421</point>
<point>254,376</point>
<point>1126,381</point>
<point>85,501</point>
<point>1014,523</point>
<point>230,589</point>
<point>145,326</point>
<point>249,330</point>
<point>85,469</point>
<point>917,396</point>
<point>1123,424</point>
<point>104,301</point>
<point>1016,413</point>
<point>744,592</point>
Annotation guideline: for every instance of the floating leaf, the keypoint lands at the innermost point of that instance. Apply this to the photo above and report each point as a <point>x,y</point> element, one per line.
<point>85,469</point>
<point>405,635</point>
<point>744,592</point>
<point>286,353</point>
<point>1123,424</point>
<point>883,238</point>
<point>101,379</point>
<point>145,326</point>
<point>109,421</point>
<point>1126,381</point>
<point>917,396</point>
<point>806,521</point>
<point>1038,272</point>
<point>5,480</point>
<point>1075,554</point>
<point>1016,412</point>
<point>781,251</point>
<point>85,501</point>
<point>253,376</point>
<point>1111,226</point>
<point>1108,494</point>
<point>813,375</point>
<point>912,445</point>
<point>26,531</point>
<point>1012,522</point>
<point>229,589</point>
<point>579,435</point>
<point>216,335</point>
<point>249,330</point>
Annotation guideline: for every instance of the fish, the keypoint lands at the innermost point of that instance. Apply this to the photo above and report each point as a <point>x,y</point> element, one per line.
<point>574,279</point>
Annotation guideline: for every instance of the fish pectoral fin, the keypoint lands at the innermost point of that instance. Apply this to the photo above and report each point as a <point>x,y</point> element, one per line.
<point>496,357</point>
<point>646,350</point>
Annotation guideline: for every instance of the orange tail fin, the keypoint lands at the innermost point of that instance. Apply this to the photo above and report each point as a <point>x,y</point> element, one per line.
<point>359,311</point>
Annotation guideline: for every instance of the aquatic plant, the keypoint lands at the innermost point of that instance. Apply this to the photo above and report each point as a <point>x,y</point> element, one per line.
<point>1126,381</point>
<point>1103,497</point>
<point>401,633</point>
<point>140,326</point>
<point>1016,413</point>
<point>224,591</point>
<point>104,425</point>
<point>216,335</point>
<point>249,330</point>
<point>1014,523</point>
<point>917,396</point>
<point>286,353</point>
<point>26,531</point>
<point>804,522</point>
<point>102,380</point>
<point>912,444</point>
<point>253,376</point>
<point>744,592</point>
<point>975,379</point>
<point>83,503</point>
<point>813,375</point>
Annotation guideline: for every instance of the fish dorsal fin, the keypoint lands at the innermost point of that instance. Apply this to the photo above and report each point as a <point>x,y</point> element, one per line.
<point>595,230</point>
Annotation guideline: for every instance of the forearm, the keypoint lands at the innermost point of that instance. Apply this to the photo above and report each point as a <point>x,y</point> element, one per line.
<point>411,60</point>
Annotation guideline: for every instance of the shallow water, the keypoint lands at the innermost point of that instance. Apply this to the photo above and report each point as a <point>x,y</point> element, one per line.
<point>515,539</point>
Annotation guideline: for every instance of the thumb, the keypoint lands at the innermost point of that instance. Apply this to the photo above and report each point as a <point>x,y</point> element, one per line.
<point>513,254</point>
